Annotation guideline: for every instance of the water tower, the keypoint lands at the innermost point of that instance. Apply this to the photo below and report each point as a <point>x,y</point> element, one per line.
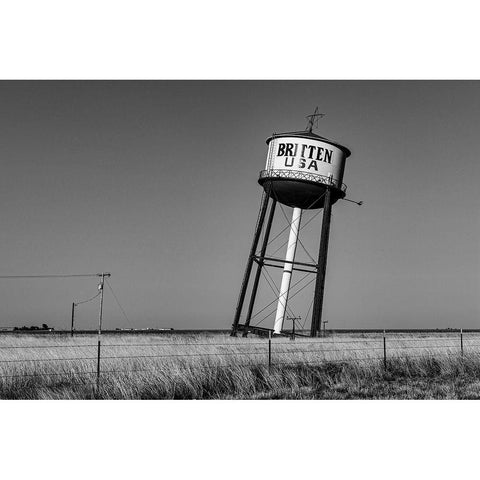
<point>303,171</point>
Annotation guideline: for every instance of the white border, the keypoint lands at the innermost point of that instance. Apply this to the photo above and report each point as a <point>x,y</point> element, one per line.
<point>258,40</point>
<point>238,439</point>
<point>248,40</point>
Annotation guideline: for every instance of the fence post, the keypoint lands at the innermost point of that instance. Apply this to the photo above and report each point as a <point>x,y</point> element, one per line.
<point>269,351</point>
<point>73,319</point>
<point>461,341</point>
<point>384,351</point>
<point>98,364</point>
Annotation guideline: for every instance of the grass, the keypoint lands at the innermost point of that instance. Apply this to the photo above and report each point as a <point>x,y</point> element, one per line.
<point>216,366</point>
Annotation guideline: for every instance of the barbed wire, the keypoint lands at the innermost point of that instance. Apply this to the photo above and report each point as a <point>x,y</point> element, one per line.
<point>186,355</point>
<point>318,362</point>
<point>227,354</point>
<point>320,341</point>
<point>273,365</point>
<point>21,360</point>
<point>45,346</point>
<point>397,350</point>
<point>52,374</point>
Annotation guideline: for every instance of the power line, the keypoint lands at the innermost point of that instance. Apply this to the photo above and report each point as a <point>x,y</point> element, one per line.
<point>56,276</point>
<point>89,300</point>
<point>116,299</point>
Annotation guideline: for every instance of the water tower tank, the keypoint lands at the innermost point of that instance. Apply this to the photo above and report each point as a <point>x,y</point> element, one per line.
<point>299,167</point>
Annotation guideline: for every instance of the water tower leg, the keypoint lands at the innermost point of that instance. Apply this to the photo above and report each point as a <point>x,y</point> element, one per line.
<point>259,267</point>
<point>287,270</point>
<point>248,269</point>
<point>322,266</point>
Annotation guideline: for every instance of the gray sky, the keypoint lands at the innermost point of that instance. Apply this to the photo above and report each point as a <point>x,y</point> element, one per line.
<point>157,183</point>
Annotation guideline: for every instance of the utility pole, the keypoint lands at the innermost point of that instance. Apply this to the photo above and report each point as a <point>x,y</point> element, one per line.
<point>100,317</point>
<point>293,319</point>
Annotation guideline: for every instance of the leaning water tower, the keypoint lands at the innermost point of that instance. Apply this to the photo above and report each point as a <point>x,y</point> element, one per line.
<point>303,171</point>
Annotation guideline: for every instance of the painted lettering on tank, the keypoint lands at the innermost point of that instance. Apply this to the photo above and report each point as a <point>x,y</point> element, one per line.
<point>289,150</point>
<point>313,165</point>
<point>319,153</point>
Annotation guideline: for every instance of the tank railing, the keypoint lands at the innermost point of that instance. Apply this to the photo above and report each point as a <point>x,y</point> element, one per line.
<point>306,176</point>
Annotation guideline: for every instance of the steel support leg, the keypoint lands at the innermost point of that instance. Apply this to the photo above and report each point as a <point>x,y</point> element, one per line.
<point>322,266</point>
<point>259,266</point>
<point>248,269</point>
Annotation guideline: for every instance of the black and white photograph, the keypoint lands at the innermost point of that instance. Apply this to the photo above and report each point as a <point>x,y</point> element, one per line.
<point>239,240</point>
<point>198,240</point>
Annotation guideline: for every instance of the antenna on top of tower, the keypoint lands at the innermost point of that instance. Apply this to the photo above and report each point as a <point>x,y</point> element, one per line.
<point>313,120</point>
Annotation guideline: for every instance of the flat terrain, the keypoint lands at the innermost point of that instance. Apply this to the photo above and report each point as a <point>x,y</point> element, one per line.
<point>211,365</point>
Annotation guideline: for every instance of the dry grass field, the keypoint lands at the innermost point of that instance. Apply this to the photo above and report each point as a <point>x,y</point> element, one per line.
<point>210,366</point>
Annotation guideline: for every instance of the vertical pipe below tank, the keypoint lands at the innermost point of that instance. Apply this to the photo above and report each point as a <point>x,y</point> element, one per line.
<point>287,270</point>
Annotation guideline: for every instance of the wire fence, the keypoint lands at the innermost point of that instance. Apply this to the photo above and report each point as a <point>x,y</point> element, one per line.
<point>95,361</point>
